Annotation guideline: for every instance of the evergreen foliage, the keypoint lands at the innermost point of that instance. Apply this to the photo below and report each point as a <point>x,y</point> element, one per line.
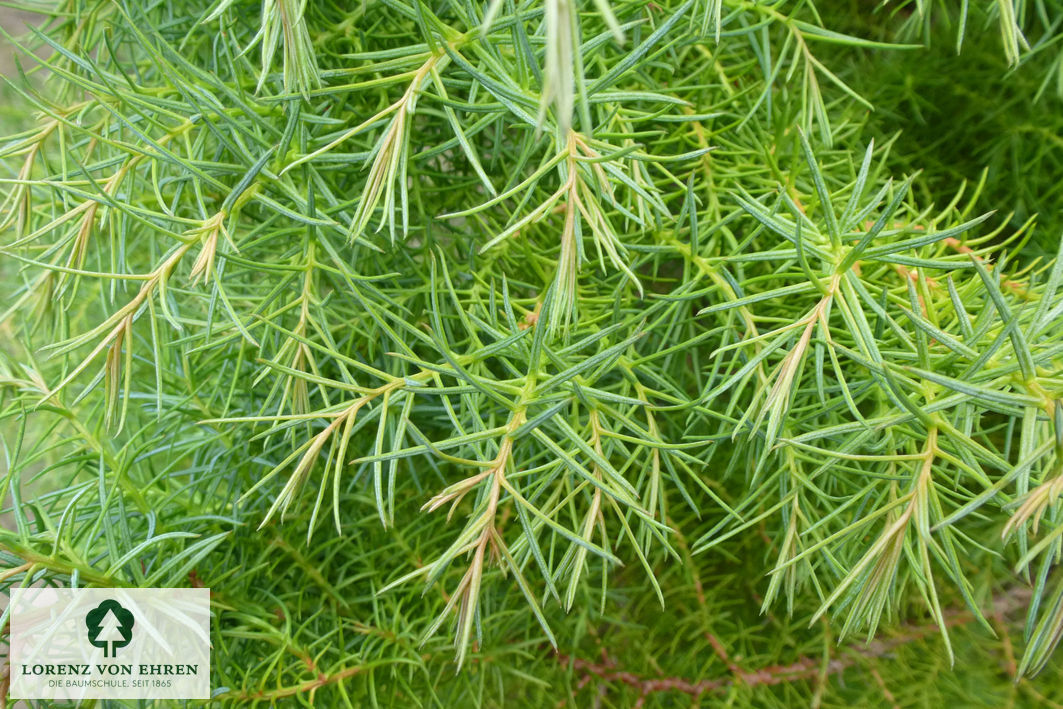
<point>526,353</point>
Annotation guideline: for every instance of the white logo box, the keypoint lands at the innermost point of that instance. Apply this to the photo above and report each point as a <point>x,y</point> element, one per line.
<point>110,643</point>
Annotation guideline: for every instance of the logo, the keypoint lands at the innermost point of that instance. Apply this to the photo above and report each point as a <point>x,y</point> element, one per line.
<point>110,626</point>
<point>80,644</point>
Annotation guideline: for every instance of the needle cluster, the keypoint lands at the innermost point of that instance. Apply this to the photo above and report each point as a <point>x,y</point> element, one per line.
<point>526,338</point>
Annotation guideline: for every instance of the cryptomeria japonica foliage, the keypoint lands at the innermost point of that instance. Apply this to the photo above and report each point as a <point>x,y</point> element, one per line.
<point>479,353</point>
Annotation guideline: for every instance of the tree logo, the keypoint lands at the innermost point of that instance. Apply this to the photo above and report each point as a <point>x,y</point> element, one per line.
<point>110,626</point>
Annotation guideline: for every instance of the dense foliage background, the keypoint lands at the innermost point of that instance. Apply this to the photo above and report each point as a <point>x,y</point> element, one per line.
<point>548,353</point>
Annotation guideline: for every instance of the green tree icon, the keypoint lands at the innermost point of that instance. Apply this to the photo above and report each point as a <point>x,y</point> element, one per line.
<point>110,626</point>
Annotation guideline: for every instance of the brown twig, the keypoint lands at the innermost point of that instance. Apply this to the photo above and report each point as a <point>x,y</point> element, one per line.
<point>802,669</point>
